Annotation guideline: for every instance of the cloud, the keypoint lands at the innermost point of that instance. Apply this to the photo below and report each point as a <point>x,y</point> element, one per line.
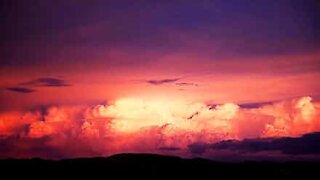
<point>46,81</point>
<point>255,104</point>
<point>198,148</point>
<point>169,81</point>
<point>162,81</point>
<point>186,84</point>
<point>306,144</point>
<point>21,89</point>
<point>40,82</point>
<point>169,149</point>
<point>24,147</point>
<point>174,127</point>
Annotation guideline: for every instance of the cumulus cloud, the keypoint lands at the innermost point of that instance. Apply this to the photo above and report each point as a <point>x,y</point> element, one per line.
<point>292,118</point>
<point>157,126</point>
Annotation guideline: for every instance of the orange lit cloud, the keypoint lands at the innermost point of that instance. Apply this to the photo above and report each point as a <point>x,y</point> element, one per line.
<point>142,125</point>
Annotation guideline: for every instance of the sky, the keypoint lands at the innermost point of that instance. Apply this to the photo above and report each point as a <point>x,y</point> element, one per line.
<point>169,77</point>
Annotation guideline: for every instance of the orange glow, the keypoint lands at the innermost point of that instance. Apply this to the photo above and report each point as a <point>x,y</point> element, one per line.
<point>144,125</point>
<point>217,81</point>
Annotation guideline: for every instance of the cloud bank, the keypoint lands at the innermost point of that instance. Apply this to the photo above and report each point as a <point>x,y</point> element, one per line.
<point>306,144</point>
<point>158,126</point>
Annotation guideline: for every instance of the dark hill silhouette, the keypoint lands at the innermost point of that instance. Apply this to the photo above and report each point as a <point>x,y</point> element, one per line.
<point>153,166</point>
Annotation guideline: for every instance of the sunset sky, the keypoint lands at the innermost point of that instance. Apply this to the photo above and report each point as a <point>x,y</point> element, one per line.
<point>85,78</point>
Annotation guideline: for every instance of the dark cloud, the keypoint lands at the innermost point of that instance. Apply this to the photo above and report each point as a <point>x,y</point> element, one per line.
<point>21,89</point>
<point>170,148</point>
<point>46,81</point>
<point>22,147</point>
<point>162,81</point>
<point>306,144</point>
<point>186,84</point>
<point>198,148</point>
<point>24,87</point>
<point>255,104</point>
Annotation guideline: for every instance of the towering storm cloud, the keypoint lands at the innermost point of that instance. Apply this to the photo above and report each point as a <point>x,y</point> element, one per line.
<point>139,125</point>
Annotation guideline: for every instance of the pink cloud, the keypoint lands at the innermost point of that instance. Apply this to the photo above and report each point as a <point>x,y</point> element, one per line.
<point>141,125</point>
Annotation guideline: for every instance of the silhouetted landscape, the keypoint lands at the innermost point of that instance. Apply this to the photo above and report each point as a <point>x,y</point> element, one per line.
<point>151,166</point>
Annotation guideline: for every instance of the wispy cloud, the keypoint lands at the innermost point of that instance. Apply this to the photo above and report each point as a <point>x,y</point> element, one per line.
<point>162,81</point>
<point>173,81</point>
<point>28,86</point>
<point>21,89</point>
<point>186,84</point>
<point>47,81</point>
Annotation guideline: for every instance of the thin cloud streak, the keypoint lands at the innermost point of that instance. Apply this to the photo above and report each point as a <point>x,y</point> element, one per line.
<point>162,81</point>
<point>46,81</point>
<point>20,89</point>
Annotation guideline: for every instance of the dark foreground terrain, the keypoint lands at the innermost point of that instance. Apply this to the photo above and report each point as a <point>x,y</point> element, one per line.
<point>154,166</point>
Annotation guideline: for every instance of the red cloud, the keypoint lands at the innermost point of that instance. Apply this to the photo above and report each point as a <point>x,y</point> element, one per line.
<point>137,125</point>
